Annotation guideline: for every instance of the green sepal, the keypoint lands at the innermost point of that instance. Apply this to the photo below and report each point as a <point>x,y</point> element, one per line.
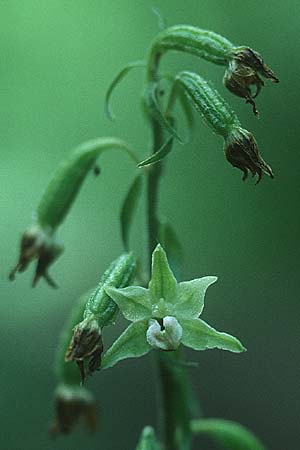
<point>164,150</point>
<point>132,343</point>
<point>191,297</point>
<point>163,284</point>
<point>230,435</point>
<point>128,209</point>
<point>133,301</point>
<point>117,79</point>
<point>148,440</point>
<point>198,335</point>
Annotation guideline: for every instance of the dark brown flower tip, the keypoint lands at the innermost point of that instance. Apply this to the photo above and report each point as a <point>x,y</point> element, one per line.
<point>252,59</point>
<point>243,72</point>
<point>72,405</point>
<point>86,347</point>
<point>242,152</point>
<point>37,244</point>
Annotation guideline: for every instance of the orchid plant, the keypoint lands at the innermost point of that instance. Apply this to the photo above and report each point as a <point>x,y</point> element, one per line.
<point>165,316</point>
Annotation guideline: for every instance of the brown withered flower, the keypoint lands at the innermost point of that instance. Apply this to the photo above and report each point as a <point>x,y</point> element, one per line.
<point>243,72</point>
<point>241,151</point>
<point>73,404</point>
<point>37,244</point>
<point>86,347</point>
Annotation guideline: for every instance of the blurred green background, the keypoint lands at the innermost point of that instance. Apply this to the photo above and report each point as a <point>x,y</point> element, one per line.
<point>57,58</point>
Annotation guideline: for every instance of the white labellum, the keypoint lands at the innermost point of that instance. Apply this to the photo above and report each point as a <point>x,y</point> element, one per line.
<point>167,337</point>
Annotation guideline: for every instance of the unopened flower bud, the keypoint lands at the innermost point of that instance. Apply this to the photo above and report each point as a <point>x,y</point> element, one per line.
<point>241,151</point>
<point>37,244</point>
<point>166,336</point>
<point>73,404</point>
<point>86,346</point>
<point>243,72</point>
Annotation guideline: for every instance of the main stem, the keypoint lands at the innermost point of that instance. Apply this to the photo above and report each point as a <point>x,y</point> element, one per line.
<point>172,373</point>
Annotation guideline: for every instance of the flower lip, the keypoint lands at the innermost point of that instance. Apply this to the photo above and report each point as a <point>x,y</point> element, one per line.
<point>241,151</point>
<point>164,334</point>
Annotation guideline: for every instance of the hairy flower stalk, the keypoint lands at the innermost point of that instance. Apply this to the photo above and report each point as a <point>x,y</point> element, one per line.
<point>39,241</point>
<point>243,65</point>
<point>85,346</point>
<point>240,146</point>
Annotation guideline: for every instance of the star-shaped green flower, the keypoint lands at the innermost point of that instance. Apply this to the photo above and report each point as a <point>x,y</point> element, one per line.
<point>164,316</point>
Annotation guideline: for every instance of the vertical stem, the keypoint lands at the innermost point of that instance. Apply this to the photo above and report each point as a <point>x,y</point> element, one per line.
<point>153,190</point>
<point>175,401</point>
<point>173,379</point>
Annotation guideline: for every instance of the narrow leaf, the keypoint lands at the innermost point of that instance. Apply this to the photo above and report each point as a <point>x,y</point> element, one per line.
<point>163,284</point>
<point>148,440</point>
<point>170,242</point>
<point>164,150</point>
<point>156,113</point>
<point>128,209</point>
<point>230,435</point>
<point>117,79</point>
<point>131,344</point>
<point>133,301</point>
<point>198,335</point>
<point>188,113</point>
<point>191,297</point>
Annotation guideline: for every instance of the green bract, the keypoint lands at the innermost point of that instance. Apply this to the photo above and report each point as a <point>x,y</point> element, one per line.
<point>164,315</point>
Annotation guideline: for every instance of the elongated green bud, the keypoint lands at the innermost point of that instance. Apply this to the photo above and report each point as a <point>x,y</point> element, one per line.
<point>100,310</point>
<point>208,102</point>
<point>243,65</point>
<point>240,147</point>
<point>38,241</point>
<point>72,402</point>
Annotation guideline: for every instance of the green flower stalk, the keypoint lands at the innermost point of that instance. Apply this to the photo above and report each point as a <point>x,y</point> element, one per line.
<point>164,316</point>
<point>39,241</point>
<point>85,346</point>
<point>243,65</point>
<point>73,403</point>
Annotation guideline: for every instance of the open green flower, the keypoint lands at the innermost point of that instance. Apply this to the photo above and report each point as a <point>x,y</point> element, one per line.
<point>164,316</point>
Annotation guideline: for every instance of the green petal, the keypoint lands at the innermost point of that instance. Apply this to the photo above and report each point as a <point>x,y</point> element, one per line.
<point>191,297</point>
<point>198,335</point>
<point>163,284</point>
<point>131,344</point>
<point>133,301</point>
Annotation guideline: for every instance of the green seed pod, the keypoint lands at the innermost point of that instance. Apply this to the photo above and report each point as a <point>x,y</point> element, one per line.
<point>243,65</point>
<point>208,102</point>
<point>72,401</point>
<point>38,242</point>
<point>100,310</point>
<point>240,145</point>
<point>186,38</point>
